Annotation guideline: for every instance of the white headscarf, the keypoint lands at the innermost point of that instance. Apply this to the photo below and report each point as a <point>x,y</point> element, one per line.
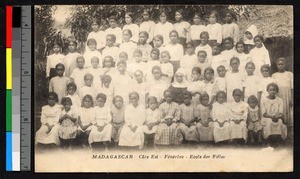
<point>184,82</point>
<point>253,30</point>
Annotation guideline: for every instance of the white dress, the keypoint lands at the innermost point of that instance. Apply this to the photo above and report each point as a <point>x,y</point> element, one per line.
<point>129,48</point>
<point>251,85</point>
<point>152,116</point>
<point>182,28</point>
<point>49,115</point>
<point>78,76</point>
<point>148,26</point>
<point>99,36</point>
<point>87,116</point>
<point>215,32</point>
<point>238,111</point>
<point>52,61</point>
<point>117,32</point>
<point>259,57</point>
<point>88,55</point>
<point>127,136</point>
<point>195,31</point>
<point>163,30</point>
<point>233,81</point>
<point>111,51</point>
<point>85,90</point>
<point>134,30</point>
<point>188,62</point>
<point>207,48</point>
<point>102,117</point>
<point>231,30</point>
<point>176,51</point>
<point>221,113</point>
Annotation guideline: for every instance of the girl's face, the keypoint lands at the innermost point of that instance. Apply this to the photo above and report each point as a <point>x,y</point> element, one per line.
<point>228,45</point>
<point>123,57</point>
<point>121,68</point>
<point>208,75</point>
<point>56,49</point>
<point>156,74</point>
<point>281,66</point>
<point>67,106</point>
<point>88,80</point>
<point>157,42</point>
<point>187,99</point>
<point>154,55</point>
<point>178,16</point>
<point>248,35</point>
<point>205,100</point>
<point>265,72</point>
<point>100,102</point>
<point>195,75</point>
<point>235,65</point>
<point>221,72</point>
<point>142,38</point>
<point>252,104</point>
<point>196,20</point>
<point>165,57</point>
<point>128,19</point>
<point>146,16</point>
<point>272,91</point>
<point>163,18</point>
<point>60,71</point>
<point>80,63</point>
<point>228,18</point>
<point>240,48</point>
<point>51,101</point>
<point>107,64</point>
<point>237,96</point>
<point>95,26</point>
<point>71,90</point>
<point>179,78</point>
<point>138,77</point>
<point>173,37</point>
<point>109,41</point>
<point>221,98</point>
<point>106,84</point>
<point>72,47</point>
<point>212,19</point>
<point>87,103</point>
<point>126,36</point>
<point>137,57</point>
<point>95,62</point>
<point>215,50</point>
<point>204,39</point>
<point>250,69</point>
<point>257,42</point>
<point>92,46</point>
<point>118,102</point>
<point>113,23</point>
<point>168,97</point>
<point>134,99</point>
<point>152,104</point>
<point>201,57</point>
<point>190,50</point>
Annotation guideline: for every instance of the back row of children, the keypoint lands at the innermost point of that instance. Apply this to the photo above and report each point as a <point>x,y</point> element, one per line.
<point>151,70</point>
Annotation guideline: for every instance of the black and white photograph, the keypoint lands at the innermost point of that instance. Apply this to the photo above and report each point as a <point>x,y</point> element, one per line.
<point>163,88</point>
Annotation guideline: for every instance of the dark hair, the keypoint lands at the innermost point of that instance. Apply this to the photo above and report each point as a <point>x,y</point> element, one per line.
<point>95,20</point>
<point>145,33</point>
<point>234,58</point>
<point>121,63</point>
<point>197,69</point>
<point>65,100</point>
<point>260,37</point>
<point>230,39</point>
<point>168,91</point>
<point>80,57</point>
<point>87,97</point>
<point>167,52</point>
<point>123,52</point>
<point>160,37</point>
<point>274,85</point>
<point>138,51</point>
<point>221,66</point>
<point>240,42</point>
<point>102,96</point>
<point>129,32</point>
<point>180,11</point>
<point>155,49</point>
<point>72,84</point>
<point>73,41</point>
<point>204,33</point>
<point>112,36</point>
<point>155,68</point>
<point>191,44</point>
<point>117,96</point>
<point>94,57</point>
<point>265,66</point>
<point>130,14</point>
<point>237,91</point>
<point>108,58</point>
<point>88,74</point>
<point>197,14</point>
<point>248,63</point>
<point>173,31</point>
<point>252,98</point>
<point>134,93</point>
<point>209,69</point>
<point>281,59</point>
<point>187,93</point>
<point>202,51</point>
<point>112,17</point>
<point>105,78</point>
<point>221,92</point>
<point>203,94</point>
<point>54,95</point>
<point>91,40</point>
<point>215,13</point>
<point>151,98</point>
<point>60,65</point>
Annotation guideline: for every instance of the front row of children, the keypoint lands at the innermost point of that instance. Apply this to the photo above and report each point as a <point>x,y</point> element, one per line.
<point>169,123</point>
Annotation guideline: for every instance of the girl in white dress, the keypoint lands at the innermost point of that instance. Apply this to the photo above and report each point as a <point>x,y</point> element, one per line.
<point>111,49</point>
<point>230,29</point>
<point>244,58</point>
<point>204,45</point>
<point>97,34</point>
<point>163,27</point>
<point>195,86</point>
<point>132,134</point>
<point>144,46</point>
<point>92,52</point>
<point>78,73</point>
<point>195,30</point>
<point>71,58</point>
<point>181,27</point>
<point>48,133</point>
<point>147,25</point>
<point>115,30</point>
<point>251,82</point>
<point>131,26</point>
<point>101,129</point>
<point>127,46</point>
<point>53,60</point>
<point>228,51</point>
<point>189,60</point>
<point>71,90</point>
<point>263,82</point>
<point>214,29</point>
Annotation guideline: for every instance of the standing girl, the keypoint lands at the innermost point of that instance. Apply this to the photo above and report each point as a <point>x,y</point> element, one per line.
<point>117,111</point>
<point>78,73</point>
<point>204,45</point>
<point>97,34</point>
<point>127,46</point>
<point>48,133</point>
<point>147,25</point>
<point>254,120</point>
<point>209,85</point>
<point>195,30</point>
<point>115,30</point>
<point>240,53</point>
<point>259,54</point>
<point>189,60</point>
<point>132,27</point>
<point>110,49</point>
<point>175,49</point>
<point>92,52</point>
<point>163,28</point>
<point>251,82</point>
<point>53,60</point>
<point>195,86</point>
<point>68,123</point>
<point>228,52</point>
<point>214,29</point>
<point>284,80</point>
<point>230,29</point>
<point>71,89</point>
<point>181,27</point>
<point>70,59</point>
<point>167,68</point>
<point>144,46</point>
<point>220,115</point>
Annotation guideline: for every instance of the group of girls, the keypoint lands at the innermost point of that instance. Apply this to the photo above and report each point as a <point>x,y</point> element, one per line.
<point>165,84</point>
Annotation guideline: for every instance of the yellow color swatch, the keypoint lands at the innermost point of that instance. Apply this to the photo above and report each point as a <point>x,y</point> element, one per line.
<point>8,68</point>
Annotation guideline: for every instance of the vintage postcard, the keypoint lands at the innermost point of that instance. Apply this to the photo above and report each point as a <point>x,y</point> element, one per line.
<point>163,88</point>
